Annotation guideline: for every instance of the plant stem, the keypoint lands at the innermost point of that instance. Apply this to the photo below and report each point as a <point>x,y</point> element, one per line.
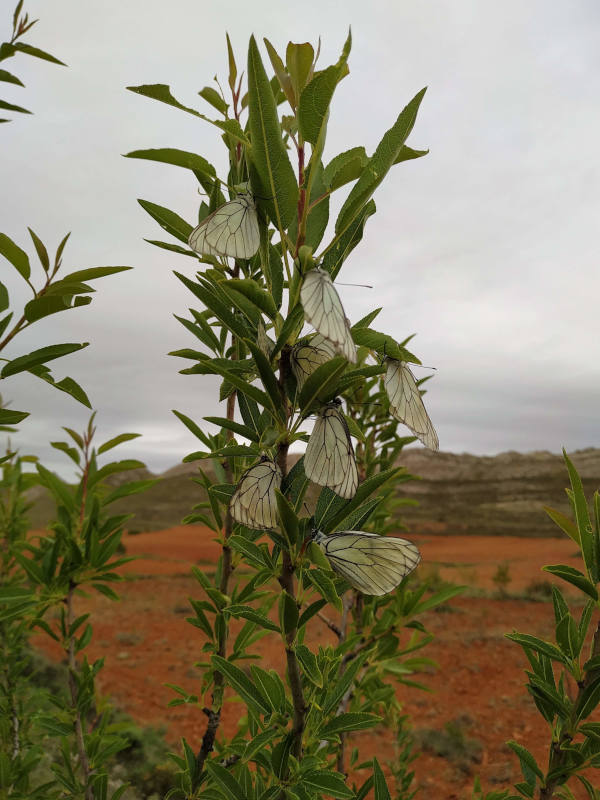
<point>79,724</point>
<point>214,712</point>
<point>286,581</point>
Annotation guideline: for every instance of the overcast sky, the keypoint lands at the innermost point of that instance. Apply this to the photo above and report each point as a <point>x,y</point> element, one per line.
<point>487,248</point>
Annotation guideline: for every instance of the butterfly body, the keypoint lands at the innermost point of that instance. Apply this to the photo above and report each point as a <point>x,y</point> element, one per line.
<point>329,459</point>
<point>406,403</point>
<point>324,311</point>
<point>253,503</point>
<point>232,230</point>
<point>371,563</point>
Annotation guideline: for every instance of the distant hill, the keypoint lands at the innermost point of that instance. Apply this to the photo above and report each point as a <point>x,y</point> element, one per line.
<point>492,495</point>
<point>456,493</point>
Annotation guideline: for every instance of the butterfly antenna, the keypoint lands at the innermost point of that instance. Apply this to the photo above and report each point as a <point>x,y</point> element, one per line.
<point>360,285</point>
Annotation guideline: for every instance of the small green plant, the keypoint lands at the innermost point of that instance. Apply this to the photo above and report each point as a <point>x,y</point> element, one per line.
<point>502,578</point>
<point>452,743</point>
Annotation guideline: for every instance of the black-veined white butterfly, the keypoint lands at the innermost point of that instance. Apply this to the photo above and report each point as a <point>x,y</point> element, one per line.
<point>371,563</point>
<point>406,403</point>
<point>232,230</point>
<point>324,311</point>
<point>253,503</point>
<point>306,356</point>
<point>329,459</point>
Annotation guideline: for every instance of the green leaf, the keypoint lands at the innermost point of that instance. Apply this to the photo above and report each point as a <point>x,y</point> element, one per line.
<point>383,344</point>
<point>91,273</point>
<point>287,518</point>
<point>178,158</point>
<point>588,699</point>
<point>310,666</point>
<point>9,417</point>
<point>321,386</point>
<point>311,610</point>
<point>563,522</point>
<point>11,107</point>
<point>268,379</point>
<point>215,304</point>
<point>122,437</point>
<point>345,168</point>
<point>17,257</point>
<point>364,491</point>
<point>41,356</point>
<point>584,524</point>
<point>253,615</point>
<point>349,721</point>
<point>325,586</point>
<point>381,791</point>
<point>4,301</point>
<point>573,576</point>
<point>58,487</point>
<point>538,645</point>
<point>327,782</point>
<point>298,61</point>
<point>313,109</point>
<point>384,156</point>
<point>114,468</point>
<point>162,92</point>
<point>127,489</point>
<point>168,220</point>
<point>253,292</point>
<point>290,329</point>
<point>288,613</point>
<point>40,250</point>
<point>8,77</point>
<point>272,174</point>
<point>340,248</point>
<point>214,99</point>
<point>37,53</point>
<point>242,684</point>
<point>342,684</point>
<point>236,427</point>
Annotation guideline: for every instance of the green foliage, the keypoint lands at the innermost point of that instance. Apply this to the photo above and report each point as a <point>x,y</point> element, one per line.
<point>20,25</point>
<point>573,654</point>
<point>40,583</point>
<point>53,295</point>
<point>291,742</point>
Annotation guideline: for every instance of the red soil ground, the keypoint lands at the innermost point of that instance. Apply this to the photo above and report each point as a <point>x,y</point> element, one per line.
<point>146,643</point>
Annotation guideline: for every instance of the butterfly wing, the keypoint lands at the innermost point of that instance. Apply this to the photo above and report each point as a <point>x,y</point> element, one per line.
<point>373,564</point>
<point>232,230</point>
<point>254,503</point>
<point>329,458</point>
<point>324,311</point>
<point>306,356</point>
<point>406,403</point>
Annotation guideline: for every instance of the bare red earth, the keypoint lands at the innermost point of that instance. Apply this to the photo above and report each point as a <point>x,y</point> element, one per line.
<point>146,643</point>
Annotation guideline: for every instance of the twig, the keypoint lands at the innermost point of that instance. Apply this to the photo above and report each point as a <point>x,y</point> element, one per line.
<point>79,732</point>
<point>330,624</point>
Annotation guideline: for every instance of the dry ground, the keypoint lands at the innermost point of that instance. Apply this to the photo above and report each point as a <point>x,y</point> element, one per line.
<point>480,681</point>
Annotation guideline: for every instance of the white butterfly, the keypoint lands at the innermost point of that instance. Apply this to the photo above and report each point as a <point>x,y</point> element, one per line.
<point>232,230</point>
<point>306,356</point>
<point>254,503</point>
<point>324,311</point>
<point>329,458</point>
<point>406,403</point>
<point>371,563</point>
